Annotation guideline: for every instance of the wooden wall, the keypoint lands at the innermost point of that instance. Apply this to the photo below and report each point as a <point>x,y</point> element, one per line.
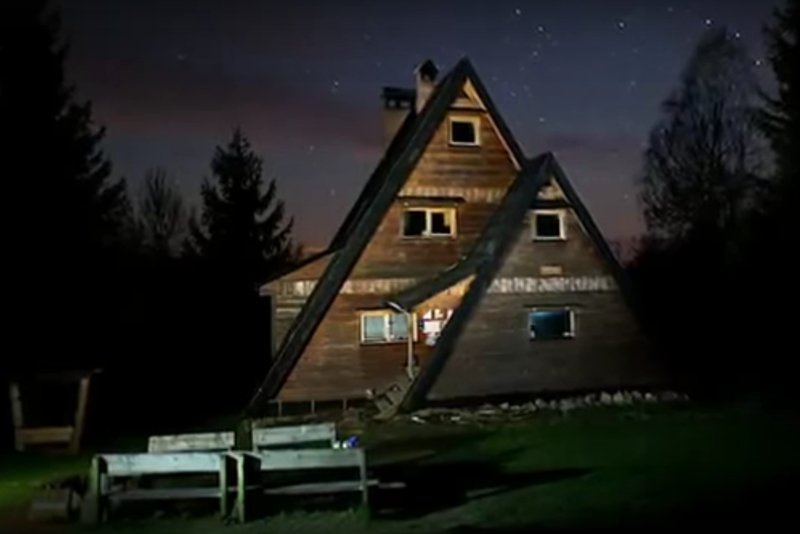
<point>495,355</point>
<point>335,365</point>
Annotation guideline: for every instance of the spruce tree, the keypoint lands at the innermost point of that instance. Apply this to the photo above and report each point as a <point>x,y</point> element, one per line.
<point>65,211</point>
<point>65,192</point>
<point>242,228</point>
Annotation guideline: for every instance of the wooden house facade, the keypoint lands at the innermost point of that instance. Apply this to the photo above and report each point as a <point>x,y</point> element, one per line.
<point>464,269</point>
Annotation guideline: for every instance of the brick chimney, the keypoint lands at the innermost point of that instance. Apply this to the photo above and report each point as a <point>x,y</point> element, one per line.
<point>426,81</point>
<point>397,104</point>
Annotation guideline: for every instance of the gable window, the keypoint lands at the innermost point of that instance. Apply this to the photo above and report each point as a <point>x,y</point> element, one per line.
<point>548,225</point>
<point>551,323</point>
<point>384,327</point>
<point>429,222</point>
<point>465,131</point>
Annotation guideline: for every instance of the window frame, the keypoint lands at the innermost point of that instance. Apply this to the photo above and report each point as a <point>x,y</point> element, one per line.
<point>386,315</point>
<point>427,234</point>
<point>476,126</point>
<point>571,334</point>
<point>562,226</point>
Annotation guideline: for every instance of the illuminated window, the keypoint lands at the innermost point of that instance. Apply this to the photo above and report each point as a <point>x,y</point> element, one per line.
<point>549,225</point>
<point>465,131</point>
<point>551,323</point>
<point>429,222</point>
<point>384,327</point>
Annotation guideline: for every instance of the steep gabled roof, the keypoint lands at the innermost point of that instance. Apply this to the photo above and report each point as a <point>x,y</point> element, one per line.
<point>365,216</point>
<point>486,259</point>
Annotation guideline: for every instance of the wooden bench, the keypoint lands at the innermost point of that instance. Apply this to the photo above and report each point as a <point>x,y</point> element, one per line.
<point>262,438</point>
<point>108,469</point>
<point>292,436</point>
<point>250,467</point>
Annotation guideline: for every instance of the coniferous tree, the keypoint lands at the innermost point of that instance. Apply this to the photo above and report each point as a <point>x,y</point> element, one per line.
<point>242,228</point>
<point>65,210</point>
<point>64,186</point>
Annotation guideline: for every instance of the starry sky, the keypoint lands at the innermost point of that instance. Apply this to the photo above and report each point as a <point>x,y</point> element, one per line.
<point>582,78</point>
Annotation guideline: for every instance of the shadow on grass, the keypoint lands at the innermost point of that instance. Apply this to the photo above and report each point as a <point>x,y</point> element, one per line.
<point>435,487</point>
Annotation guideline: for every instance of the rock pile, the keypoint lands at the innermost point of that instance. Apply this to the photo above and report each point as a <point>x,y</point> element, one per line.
<point>512,412</point>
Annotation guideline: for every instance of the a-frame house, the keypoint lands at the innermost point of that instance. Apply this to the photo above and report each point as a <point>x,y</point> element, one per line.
<point>463,270</point>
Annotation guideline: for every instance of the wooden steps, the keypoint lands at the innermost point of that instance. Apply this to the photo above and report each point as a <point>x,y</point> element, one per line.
<point>388,401</point>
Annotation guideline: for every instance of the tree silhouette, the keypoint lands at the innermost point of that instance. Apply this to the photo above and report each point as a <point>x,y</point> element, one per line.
<point>48,129</point>
<point>161,214</point>
<point>699,189</point>
<point>67,211</point>
<point>703,159</point>
<point>782,114</point>
<point>242,229</point>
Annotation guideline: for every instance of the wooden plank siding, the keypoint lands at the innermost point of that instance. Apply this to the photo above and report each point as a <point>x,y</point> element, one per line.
<point>335,365</point>
<point>495,356</point>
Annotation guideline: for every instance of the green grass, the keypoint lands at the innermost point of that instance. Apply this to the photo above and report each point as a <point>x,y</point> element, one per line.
<point>609,467</point>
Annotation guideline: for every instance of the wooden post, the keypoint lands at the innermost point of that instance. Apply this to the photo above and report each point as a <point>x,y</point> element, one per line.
<point>248,485</point>
<point>80,414</point>
<point>362,470</point>
<point>16,415</point>
<point>227,476</point>
<point>94,503</point>
<point>313,410</point>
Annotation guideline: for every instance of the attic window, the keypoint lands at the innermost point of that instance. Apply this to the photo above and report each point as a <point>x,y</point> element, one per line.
<point>551,323</point>
<point>548,225</point>
<point>429,222</point>
<point>465,131</point>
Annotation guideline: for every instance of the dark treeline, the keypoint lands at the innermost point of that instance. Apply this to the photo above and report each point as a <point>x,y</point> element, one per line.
<point>720,196</point>
<point>129,280</point>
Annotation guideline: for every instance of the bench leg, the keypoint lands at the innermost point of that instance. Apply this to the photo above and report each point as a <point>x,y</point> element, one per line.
<point>248,488</point>
<point>227,476</point>
<point>93,511</point>
<point>362,471</point>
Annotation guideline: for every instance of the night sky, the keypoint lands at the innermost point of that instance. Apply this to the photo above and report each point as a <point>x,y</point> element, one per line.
<point>171,79</point>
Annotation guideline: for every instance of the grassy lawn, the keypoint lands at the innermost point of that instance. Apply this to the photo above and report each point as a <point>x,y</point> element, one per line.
<point>650,466</point>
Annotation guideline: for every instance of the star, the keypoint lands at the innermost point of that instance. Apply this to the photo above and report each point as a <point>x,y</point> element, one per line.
<point>518,12</point>
<point>621,24</point>
<point>541,120</point>
<point>670,9</point>
<point>757,62</point>
<point>180,56</point>
<point>540,29</point>
<point>737,35</point>
<point>709,22</point>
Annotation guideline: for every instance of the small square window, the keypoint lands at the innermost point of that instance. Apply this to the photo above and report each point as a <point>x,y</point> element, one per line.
<point>398,327</point>
<point>373,328</point>
<point>440,223</point>
<point>464,131</point>
<point>414,222</point>
<point>556,323</point>
<point>548,226</point>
